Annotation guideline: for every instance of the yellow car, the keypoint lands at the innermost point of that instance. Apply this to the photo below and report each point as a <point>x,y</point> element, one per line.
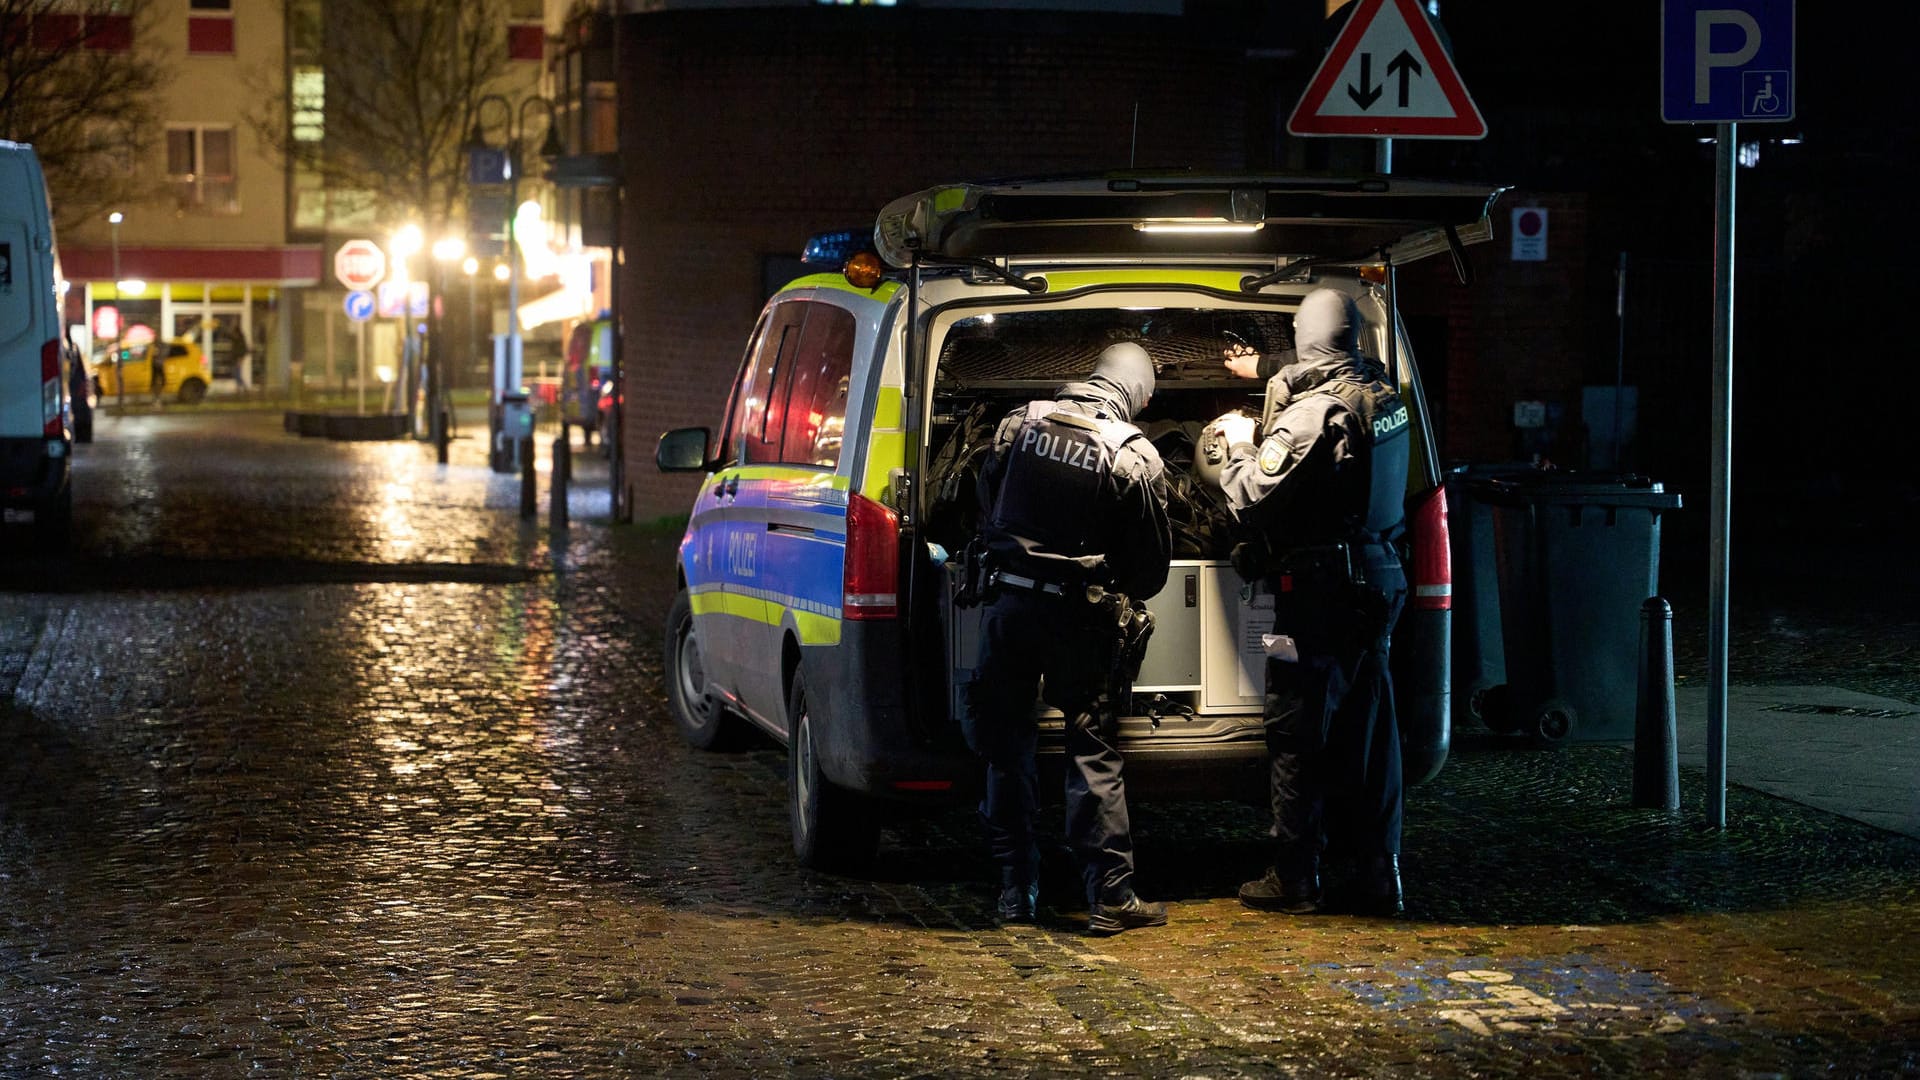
<point>185,371</point>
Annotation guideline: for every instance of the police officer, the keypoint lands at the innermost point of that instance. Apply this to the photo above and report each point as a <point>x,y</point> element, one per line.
<point>1073,509</point>
<point>1322,484</point>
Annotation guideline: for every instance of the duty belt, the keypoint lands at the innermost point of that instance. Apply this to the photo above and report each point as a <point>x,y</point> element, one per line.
<point>1001,577</point>
<point>1092,594</point>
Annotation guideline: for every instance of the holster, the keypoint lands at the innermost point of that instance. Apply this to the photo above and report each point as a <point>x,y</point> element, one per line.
<point>977,563</point>
<point>1322,599</point>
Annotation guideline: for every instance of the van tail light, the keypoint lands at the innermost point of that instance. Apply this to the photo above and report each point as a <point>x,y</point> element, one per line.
<point>1431,575</point>
<point>52,424</point>
<point>873,561</point>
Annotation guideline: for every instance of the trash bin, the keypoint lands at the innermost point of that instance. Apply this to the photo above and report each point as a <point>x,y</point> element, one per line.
<point>1477,664</point>
<point>512,420</point>
<point>1576,555</point>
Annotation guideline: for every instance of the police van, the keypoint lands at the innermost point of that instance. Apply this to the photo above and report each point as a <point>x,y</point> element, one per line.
<point>820,567</point>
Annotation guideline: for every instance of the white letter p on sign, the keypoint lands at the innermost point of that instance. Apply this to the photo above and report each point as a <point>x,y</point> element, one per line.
<point>1705,59</point>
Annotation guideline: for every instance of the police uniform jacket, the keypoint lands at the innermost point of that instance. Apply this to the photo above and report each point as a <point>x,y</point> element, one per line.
<point>1331,464</point>
<point>1073,494</point>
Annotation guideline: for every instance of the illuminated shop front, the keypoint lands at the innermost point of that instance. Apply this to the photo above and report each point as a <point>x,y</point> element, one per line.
<point>239,312</point>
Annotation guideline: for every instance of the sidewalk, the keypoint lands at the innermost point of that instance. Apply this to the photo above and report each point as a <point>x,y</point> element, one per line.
<point>1845,752</point>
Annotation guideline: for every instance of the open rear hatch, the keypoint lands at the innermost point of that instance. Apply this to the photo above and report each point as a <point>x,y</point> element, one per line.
<point>1356,219</point>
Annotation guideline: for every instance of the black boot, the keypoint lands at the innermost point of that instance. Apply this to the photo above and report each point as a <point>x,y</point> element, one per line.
<point>1293,895</point>
<point>1377,890</point>
<point>1019,898</point>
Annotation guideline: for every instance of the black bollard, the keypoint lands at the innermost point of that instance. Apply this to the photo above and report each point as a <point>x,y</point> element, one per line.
<point>1656,751</point>
<point>529,494</point>
<point>442,434</point>
<point>562,474</point>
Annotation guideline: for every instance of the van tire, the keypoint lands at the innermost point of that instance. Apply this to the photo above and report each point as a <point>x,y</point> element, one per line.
<point>833,828</point>
<point>702,720</point>
<point>193,392</point>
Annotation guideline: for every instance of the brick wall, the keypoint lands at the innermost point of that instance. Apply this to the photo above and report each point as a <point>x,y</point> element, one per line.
<point>748,131</point>
<point>1522,331</point>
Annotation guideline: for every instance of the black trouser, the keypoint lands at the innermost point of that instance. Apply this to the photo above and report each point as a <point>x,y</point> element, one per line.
<point>1026,637</point>
<point>1333,740</point>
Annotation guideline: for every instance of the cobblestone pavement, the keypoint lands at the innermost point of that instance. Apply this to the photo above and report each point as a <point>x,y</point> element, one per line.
<point>320,762</point>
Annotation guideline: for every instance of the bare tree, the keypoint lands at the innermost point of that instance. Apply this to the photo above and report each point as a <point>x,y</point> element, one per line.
<point>399,84</point>
<point>77,80</point>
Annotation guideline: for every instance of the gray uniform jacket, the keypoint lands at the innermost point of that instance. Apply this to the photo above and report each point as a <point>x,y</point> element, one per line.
<point>1292,482</point>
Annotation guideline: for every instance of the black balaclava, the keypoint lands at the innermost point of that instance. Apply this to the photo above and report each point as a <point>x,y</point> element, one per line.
<point>1122,380</point>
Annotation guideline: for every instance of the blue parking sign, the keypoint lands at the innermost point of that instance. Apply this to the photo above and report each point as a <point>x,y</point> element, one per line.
<point>1726,61</point>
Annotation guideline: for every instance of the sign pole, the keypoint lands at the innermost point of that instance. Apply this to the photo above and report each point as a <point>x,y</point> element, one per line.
<point>362,381</point>
<point>1725,172</point>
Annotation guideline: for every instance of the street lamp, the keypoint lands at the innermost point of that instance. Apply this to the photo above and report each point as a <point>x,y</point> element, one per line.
<point>119,316</point>
<point>486,166</point>
<point>440,375</point>
<point>405,243</point>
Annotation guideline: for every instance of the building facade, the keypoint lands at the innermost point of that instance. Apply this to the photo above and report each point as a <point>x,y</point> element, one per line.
<point>209,257</point>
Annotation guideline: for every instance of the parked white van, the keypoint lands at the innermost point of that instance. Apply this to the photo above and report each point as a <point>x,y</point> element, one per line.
<point>35,441</point>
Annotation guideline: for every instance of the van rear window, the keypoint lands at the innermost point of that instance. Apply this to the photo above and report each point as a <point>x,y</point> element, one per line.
<point>16,281</point>
<point>1051,346</point>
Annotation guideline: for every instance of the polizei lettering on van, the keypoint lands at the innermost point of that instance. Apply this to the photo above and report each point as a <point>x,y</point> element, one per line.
<point>1384,426</point>
<point>1073,453</point>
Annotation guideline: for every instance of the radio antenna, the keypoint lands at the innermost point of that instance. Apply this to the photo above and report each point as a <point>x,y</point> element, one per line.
<point>1134,146</point>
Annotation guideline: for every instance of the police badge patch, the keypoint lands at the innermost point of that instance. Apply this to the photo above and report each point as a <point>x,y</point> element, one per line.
<point>1271,458</point>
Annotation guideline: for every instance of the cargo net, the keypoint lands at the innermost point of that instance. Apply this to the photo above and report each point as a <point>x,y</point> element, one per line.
<point>989,366</point>
<point>1057,346</point>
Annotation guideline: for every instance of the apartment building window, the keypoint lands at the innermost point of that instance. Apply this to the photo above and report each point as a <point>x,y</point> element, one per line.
<point>200,167</point>
<point>309,103</point>
<point>526,32</point>
<point>209,37</point>
<point>210,34</point>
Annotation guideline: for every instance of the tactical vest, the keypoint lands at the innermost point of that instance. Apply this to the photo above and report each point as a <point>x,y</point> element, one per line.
<point>1055,500</point>
<point>1382,459</point>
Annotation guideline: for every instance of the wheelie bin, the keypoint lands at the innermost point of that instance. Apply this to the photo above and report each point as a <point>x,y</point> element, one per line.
<point>1478,664</point>
<point>1576,555</point>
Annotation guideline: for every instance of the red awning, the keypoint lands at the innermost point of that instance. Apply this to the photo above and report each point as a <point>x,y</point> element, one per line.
<point>271,265</point>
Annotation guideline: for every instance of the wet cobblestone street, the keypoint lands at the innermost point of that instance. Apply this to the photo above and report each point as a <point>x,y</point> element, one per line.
<point>318,761</point>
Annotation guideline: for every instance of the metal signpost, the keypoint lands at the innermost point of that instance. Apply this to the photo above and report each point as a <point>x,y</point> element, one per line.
<point>359,265</point>
<point>359,306</point>
<point>1723,62</point>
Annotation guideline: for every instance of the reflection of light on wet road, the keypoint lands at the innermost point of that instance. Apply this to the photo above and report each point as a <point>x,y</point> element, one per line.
<point>393,520</point>
<point>1570,997</point>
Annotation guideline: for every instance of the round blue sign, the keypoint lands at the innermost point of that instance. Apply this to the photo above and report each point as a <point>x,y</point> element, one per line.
<point>359,305</point>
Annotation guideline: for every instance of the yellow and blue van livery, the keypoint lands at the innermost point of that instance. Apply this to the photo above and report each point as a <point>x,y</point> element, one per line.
<point>824,555</point>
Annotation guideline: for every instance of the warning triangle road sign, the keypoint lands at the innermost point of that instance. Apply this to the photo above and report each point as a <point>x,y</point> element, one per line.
<point>1386,75</point>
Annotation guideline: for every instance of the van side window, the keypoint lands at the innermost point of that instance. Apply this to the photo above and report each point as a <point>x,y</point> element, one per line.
<point>764,410</point>
<point>735,422</point>
<point>817,404</point>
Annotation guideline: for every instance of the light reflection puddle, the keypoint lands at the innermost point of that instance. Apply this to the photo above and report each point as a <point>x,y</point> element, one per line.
<point>1573,996</point>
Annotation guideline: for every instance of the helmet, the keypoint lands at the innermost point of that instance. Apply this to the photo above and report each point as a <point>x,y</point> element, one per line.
<point>1211,450</point>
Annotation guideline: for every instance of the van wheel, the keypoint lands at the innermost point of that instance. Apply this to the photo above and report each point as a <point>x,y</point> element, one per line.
<point>833,829</point>
<point>193,392</point>
<point>703,722</point>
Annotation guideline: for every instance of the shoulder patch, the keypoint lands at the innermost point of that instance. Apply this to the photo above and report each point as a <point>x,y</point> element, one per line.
<point>1271,458</point>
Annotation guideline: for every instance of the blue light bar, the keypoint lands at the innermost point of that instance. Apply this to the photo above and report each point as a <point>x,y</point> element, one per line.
<point>835,248</point>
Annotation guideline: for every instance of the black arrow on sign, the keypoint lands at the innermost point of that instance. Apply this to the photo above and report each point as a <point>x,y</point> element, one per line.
<point>1407,66</point>
<point>1367,94</point>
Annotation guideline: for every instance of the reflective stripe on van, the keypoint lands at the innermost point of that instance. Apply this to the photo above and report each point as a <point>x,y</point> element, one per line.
<point>886,445</point>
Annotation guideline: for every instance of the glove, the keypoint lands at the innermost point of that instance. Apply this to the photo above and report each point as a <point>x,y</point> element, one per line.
<point>1235,428</point>
<point>1216,444</point>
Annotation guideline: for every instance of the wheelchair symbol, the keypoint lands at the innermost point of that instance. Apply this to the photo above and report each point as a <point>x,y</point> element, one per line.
<point>1765,93</point>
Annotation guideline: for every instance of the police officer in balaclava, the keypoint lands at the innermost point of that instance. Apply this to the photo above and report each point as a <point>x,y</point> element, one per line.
<point>1321,480</point>
<point>1073,510</point>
